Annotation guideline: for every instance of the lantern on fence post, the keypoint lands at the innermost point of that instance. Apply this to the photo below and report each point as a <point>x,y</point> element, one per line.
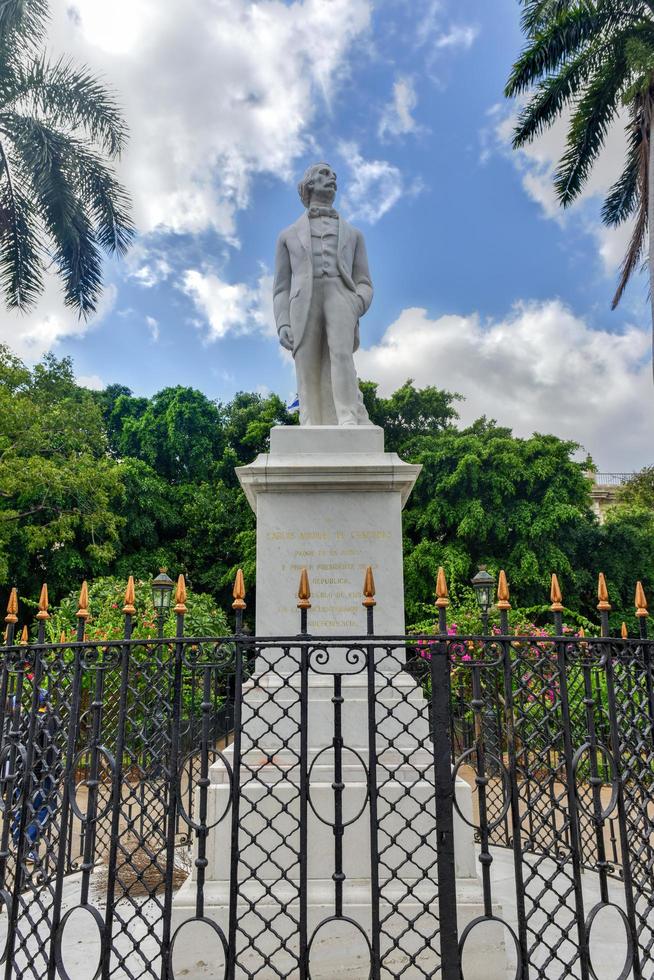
<point>484,585</point>
<point>162,593</point>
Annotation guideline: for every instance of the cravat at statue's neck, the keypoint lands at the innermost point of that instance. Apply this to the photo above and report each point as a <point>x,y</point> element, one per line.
<point>319,211</point>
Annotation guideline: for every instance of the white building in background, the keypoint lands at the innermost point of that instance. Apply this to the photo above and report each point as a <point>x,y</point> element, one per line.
<point>604,491</point>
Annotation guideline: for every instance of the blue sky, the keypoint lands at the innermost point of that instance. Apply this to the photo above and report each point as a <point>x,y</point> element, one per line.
<point>482,285</point>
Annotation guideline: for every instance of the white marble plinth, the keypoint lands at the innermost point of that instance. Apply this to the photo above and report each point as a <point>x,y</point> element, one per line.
<point>330,499</point>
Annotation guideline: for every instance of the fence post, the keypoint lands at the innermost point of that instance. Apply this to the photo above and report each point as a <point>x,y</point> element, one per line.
<point>129,610</point>
<point>619,783</point>
<point>8,745</point>
<point>304,605</point>
<point>238,606</point>
<point>173,775</point>
<point>440,721</point>
<point>504,606</point>
<point>369,604</point>
<point>25,803</point>
<point>575,842</point>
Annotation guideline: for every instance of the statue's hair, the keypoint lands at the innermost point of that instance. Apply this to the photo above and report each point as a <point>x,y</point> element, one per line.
<point>305,185</point>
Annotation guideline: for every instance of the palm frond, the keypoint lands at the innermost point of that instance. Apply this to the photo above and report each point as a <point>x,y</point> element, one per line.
<point>622,199</point>
<point>104,197</point>
<point>554,93</point>
<point>563,38</point>
<point>44,156</point>
<point>23,22</point>
<point>634,252</point>
<point>537,13</point>
<point>21,273</point>
<point>640,197</point>
<point>590,123</point>
<point>73,97</point>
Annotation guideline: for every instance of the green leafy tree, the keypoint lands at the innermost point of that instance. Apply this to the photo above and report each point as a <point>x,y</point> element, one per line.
<point>594,58</point>
<point>639,490</point>
<point>247,421</point>
<point>409,413</point>
<point>106,622</point>
<point>485,496</point>
<point>178,432</point>
<point>60,493</point>
<point>623,548</point>
<point>60,201</point>
<point>152,521</point>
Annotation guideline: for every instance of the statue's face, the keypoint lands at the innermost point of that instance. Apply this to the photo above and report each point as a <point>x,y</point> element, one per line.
<point>324,184</point>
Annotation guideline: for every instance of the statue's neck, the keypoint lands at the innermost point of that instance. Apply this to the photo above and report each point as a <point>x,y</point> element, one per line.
<point>322,201</point>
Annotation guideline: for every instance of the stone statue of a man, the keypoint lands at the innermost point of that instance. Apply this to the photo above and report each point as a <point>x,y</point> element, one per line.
<point>322,287</point>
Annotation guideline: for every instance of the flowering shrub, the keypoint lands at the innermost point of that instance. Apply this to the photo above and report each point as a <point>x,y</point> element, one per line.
<point>535,676</point>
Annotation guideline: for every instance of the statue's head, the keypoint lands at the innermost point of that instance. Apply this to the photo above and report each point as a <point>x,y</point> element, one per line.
<point>318,185</point>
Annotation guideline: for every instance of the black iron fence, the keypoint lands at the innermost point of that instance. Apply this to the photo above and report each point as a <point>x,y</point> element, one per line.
<point>311,807</point>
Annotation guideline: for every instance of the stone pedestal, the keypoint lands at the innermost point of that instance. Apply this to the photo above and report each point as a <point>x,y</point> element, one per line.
<point>330,500</point>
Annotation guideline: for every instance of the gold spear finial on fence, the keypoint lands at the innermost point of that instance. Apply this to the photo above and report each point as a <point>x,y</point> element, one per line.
<point>43,604</point>
<point>83,611</point>
<point>503,595</point>
<point>62,636</point>
<point>180,596</point>
<point>603,594</point>
<point>24,637</point>
<point>369,589</point>
<point>641,600</point>
<point>442,595</point>
<point>304,592</point>
<point>624,632</point>
<point>556,596</point>
<point>129,608</point>
<point>238,592</point>
<point>12,607</point>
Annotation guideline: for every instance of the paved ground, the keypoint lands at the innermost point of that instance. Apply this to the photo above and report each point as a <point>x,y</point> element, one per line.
<point>80,948</point>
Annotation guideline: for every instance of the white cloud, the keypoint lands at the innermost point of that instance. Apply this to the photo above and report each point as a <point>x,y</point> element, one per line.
<point>397,119</point>
<point>541,368</point>
<point>93,381</point>
<point>374,188</point>
<point>458,36</point>
<point>215,92</point>
<point>153,326</point>
<point>230,308</point>
<point>147,268</point>
<point>31,335</point>
<point>431,31</point>
<point>537,164</point>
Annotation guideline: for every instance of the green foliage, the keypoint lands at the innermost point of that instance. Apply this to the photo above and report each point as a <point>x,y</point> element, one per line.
<point>60,200</point>
<point>487,497</point>
<point>639,490</point>
<point>409,413</point>
<point>591,58</point>
<point>104,483</point>
<point>106,622</point>
<point>60,494</point>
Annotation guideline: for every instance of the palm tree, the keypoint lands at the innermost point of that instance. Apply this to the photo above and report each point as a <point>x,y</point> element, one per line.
<point>60,202</point>
<point>594,58</point>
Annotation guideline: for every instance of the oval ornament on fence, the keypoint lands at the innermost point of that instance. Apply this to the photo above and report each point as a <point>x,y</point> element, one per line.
<point>83,945</point>
<point>609,929</point>
<point>208,940</point>
<point>213,756</point>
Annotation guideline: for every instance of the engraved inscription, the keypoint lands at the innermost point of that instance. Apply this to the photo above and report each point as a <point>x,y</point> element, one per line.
<point>336,563</point>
